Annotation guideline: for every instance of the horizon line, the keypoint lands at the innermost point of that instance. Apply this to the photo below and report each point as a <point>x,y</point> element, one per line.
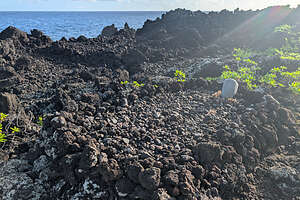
<point>218,10</point>
<point>83,10</point>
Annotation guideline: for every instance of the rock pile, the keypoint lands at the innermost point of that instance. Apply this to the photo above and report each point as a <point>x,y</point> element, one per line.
<point>102,139</point>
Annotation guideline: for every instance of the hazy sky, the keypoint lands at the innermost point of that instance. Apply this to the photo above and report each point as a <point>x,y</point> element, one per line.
<point>112,5</point>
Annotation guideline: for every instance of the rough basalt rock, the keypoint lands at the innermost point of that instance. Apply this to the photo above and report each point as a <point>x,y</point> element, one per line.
<point>101,139</point>
<point>13,33</point>
<point>208,152</point>
<point>109,31</point>
<point>132,60</point>
<point>110,170</point>
<point>7,48</point>
<point>150,178</point>
<point>8,103</point>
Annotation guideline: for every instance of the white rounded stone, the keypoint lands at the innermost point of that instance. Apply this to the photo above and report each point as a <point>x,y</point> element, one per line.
<point>230,87</point>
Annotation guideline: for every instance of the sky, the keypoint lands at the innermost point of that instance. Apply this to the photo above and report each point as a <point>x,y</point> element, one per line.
<point>138,5</point>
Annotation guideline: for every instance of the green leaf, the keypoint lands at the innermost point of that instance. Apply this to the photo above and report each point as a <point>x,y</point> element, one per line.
<point>15,129</point>
<point>2,116</point>
<point>2,137</point>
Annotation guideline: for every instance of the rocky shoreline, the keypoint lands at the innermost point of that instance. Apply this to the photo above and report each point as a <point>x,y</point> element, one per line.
<point>102,139</point>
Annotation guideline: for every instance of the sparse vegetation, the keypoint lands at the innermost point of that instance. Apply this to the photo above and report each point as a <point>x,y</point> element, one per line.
<point>124,82</point>
<point>40,121</point>
<point>179,76</point>
<point>247,69</point>
<point>134,84</point>
<point>137,85</point>
<point>3,135</point>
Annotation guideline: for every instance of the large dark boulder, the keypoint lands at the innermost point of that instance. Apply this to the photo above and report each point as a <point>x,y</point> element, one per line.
<point>39,38</point>
<point>109,31</point>
<point>132,60</point>
<point>36,33</point>
<point>14,33</point>
<point>8,103</point>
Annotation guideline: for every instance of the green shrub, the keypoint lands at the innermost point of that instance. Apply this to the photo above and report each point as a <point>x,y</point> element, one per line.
<point>239,53</point>
<point>3,136</point>
<point>137,85</point>
<point>40,121</point>
<point>124,82</point>
<point>246,71</point>
<point>179,76</point>
<point>289,51</point>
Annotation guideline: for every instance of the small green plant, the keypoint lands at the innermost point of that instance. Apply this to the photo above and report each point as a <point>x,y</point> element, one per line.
<point>15,130</point>
<point>124,82</point>
<point>137,85</point>
<point>278,76</point>
<point>295,87</point>
<point>240,54</point>
<point>285,28</point>
<point>179,76</point>
<point>286,55</point>
<point>272,77</point>
<point>245,74</point>
<point>134,84</point>
<point>40,121</point>
<point>2,117</point>
<point>156,86</point>
<point>289,51</point>
<point>3,136</point>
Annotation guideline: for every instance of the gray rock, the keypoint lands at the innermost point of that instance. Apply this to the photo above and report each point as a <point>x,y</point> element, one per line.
<point>89,188</point>
<point>58,122</point>
<point>161,194</point>
<point>229,89</point>
<point>286,173</point>
<point>7,47</point>
<point>133,172</point>
<point>41,163</point>
<point>271,102</point>
<point>14,33</point>
<point>8,103</point>
<point>126,140</point>
<point>171,178</point>
<point>124,102</point>
<point>16,184</point>
<point>150,178</point>
<point>124,187</point>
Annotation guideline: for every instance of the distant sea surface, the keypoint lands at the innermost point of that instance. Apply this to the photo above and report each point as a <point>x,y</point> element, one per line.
<point>73,24</point>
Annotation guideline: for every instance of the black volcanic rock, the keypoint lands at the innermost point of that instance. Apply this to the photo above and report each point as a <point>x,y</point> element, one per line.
<point>86,135</point>
<point>150,178</point>
<point>8,103</point>
<point>109,31</point>
<point>14,33</point>
<point>36,33</point>
<point>132,59</point>
<point>40,38</point>
<point>226,28</point>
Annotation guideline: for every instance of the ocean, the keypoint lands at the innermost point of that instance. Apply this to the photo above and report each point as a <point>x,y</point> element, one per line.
<point>73,24</point>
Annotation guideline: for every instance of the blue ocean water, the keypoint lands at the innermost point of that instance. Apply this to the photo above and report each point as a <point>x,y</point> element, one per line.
<point>73,24</point>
